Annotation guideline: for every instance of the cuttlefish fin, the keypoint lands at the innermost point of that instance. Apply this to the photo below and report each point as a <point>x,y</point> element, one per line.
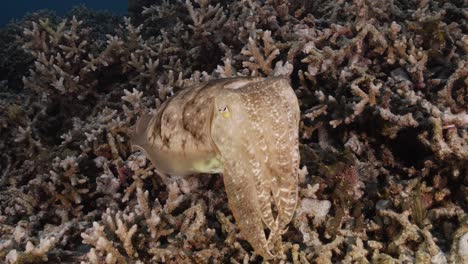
<point>139,137</point>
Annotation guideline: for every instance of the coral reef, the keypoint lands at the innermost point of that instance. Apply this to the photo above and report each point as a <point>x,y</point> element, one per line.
<point>382,87</point>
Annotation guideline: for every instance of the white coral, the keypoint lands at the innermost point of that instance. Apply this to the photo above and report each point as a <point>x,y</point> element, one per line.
<point>318,209</point>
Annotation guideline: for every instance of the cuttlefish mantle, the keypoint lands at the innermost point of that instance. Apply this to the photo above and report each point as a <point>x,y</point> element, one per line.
<point>245,128</point>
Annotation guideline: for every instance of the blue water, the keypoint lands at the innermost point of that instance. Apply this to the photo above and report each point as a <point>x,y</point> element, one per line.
<point>16,9</point>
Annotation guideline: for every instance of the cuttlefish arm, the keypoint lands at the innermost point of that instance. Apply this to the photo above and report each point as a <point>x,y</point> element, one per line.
<point>274,112</point>
<point>281,130</point>
<point>256,133</point>
<point>244,203</point>
<point>240,174</point>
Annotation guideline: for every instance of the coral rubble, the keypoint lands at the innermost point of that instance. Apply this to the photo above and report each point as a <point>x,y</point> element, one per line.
<point>382,87</point>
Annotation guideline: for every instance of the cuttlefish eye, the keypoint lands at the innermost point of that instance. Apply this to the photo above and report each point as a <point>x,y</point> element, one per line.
<point>225,111</point>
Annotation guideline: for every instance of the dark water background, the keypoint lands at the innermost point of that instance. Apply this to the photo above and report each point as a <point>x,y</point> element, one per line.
<point>16,9</point>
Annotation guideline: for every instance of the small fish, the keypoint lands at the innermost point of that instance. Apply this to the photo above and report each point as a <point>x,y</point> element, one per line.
<point>245,128</point>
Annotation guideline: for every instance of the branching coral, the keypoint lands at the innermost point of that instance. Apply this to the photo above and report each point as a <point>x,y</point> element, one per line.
<point>206,19</point>
<point>66,185</point>
<point>52,47</point>
<point>382,91</point>
<point>260,59</point>
<point>32,253</point>
<point>130,229</point>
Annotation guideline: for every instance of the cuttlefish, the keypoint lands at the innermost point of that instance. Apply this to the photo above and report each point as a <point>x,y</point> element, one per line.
<point>245,128</point>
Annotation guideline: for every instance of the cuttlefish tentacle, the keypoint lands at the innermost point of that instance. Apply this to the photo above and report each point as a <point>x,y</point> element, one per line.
<point>245,128</point>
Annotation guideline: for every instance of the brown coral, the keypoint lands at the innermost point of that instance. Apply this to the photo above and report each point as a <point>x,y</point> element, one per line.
<point>382,90</point>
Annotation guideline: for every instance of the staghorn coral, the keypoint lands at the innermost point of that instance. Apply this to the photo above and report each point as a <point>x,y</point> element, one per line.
<point>258,61</point>
<point>382,91</point>
<point>32,253</point>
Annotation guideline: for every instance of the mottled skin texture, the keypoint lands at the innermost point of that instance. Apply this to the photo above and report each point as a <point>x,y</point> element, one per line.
<point>246,129</point>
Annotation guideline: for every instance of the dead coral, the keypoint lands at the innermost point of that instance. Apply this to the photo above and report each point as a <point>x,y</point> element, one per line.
<point>207,18</point>
<point>410,232</point>
<point>35,250</point>
<point>15,202</point>
<point>459,250</point>
<point>66,185</point>
<point>382,89</point>
<point>32,253</point>
<point>157,221</point>
<point>53,47</point>
<point>260,59</point>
